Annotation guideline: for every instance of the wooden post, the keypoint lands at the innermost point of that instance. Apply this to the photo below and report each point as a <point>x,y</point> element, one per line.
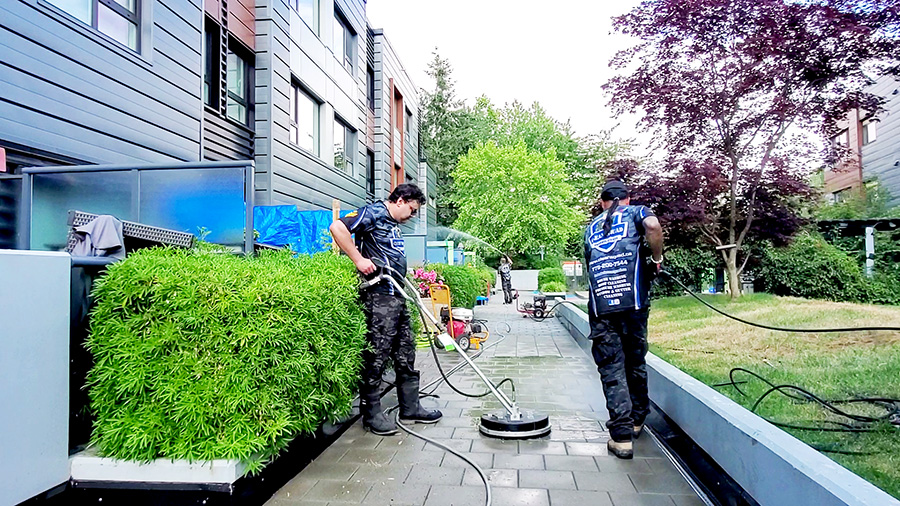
<point>335,215</point>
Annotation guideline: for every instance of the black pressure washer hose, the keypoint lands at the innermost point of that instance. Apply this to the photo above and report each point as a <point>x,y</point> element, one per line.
<point>862,423</point>
<point>768,327</point>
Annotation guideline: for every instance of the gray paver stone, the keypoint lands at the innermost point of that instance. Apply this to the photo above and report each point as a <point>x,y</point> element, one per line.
<point>520,497</point>
<point>570,463</point>
<point>542,447</point>
<point>505,461</point>
<point>496,477</point>
<point>435,475</point>
<point>640,500</point>
<point>579,498</point>
<point>661,483</point>
<point>442,495</point>
<point>592,449</point>
<point>532,478</point>
<point>607,482</point>
<point>484,460</point>
<point>338,491</point>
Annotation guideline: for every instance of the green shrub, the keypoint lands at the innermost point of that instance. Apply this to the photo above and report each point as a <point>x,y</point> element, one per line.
<point>550,274</point>
<point>811,267</point>
<point>553,286</point>
<point>487,276</point>
<point>203,356</point>
<point>883,289</point>
<point>693,267</point>
<point>464,282</point>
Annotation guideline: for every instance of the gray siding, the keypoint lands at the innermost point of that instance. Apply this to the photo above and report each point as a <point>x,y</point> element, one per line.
<point>880,156</point>
<point>289,50</point>
<point>224,139</point>
<point>387,67</point>
<point>67,89</point>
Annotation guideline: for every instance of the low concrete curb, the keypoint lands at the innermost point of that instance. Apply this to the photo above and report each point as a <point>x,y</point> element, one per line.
<point>772,466</point>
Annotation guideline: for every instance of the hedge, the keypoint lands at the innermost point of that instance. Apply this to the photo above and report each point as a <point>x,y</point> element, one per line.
<point>811,267</point>
<point>203,356</point>
<point>553,287</point>
<point>550,274</point>
<point>464,282</point>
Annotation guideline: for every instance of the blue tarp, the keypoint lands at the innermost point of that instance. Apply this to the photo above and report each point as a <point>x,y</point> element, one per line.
<point>303,231</point>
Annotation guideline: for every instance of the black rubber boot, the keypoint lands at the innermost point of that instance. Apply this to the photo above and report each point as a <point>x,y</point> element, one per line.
<point>411,411</point>
<point>374,420</point>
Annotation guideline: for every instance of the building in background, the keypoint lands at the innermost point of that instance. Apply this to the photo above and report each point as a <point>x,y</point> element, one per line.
<point>874,146</point>
<point>304,88</point>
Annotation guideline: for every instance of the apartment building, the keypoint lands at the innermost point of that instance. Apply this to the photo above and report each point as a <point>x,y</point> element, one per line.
<point>304,88</point>
<point>874,142</point>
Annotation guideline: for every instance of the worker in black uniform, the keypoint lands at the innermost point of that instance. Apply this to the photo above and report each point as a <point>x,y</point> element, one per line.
<point>505,271</point>
<point>620,268</point>
<point>377,230</point>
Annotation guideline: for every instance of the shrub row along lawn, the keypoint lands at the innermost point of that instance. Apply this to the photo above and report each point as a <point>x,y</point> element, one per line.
<point>201,355</point>
<point>838,366</point>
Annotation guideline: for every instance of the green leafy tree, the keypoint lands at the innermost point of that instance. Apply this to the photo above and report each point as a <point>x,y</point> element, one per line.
<point>515,198</point>
<point>444,132</point>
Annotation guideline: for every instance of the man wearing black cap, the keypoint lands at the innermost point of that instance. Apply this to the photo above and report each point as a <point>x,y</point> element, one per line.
<point>619,304</point>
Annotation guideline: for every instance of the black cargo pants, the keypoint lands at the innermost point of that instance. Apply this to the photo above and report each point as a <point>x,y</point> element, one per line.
<point>619,349</point>
<point>389,335</point>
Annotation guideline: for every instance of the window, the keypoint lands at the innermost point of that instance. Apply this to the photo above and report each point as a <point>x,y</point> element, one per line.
<point>211,76</point>
<point>370,88</point>
<point>118,19</point>
<point>370,172</point>
<point>868,132</point>
<point>408,122</point>
<point>841,140</point>
<point>304,120</point>
<point>309,12</point>
<point>237,104</point>
<point>343,41</point>
<point>344,146</point>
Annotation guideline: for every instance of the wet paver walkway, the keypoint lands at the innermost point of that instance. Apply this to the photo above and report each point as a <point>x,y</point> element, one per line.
<point>569,467</point>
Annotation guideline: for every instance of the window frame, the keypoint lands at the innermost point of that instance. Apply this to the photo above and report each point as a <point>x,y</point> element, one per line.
<point>212,73</point>
<point>869,131</point>
<point>407,119</point>
<point>370,173</point>
<point>134,18</point>
<point>316,13</point>
<point>349,38</point>
<point>349,139</point>
<point>294,127</point>
<point>370,87</point>
<point>239,52</point>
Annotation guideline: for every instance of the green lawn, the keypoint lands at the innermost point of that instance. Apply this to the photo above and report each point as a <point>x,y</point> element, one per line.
<point>832,366</point>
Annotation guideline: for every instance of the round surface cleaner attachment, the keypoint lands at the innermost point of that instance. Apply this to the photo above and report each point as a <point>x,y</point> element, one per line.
<point>497,424</point>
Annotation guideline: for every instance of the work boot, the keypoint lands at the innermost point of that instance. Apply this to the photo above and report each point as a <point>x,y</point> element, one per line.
<point>411,411</point>
<point>621,449</point>
<point>636,431</point>
<point>374,419</point>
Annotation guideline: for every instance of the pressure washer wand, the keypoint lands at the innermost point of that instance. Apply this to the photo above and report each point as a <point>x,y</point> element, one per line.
<point>443,337</point>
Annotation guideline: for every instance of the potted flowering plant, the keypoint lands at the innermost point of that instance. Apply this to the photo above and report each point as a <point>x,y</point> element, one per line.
<point>424,279</point>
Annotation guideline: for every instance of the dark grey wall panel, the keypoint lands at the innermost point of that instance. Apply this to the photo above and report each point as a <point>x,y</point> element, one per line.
<point>70,90</point>
<point>287,174</point>
<point>224,140</point>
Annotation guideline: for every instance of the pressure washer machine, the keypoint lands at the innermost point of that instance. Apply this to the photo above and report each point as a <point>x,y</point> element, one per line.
<point>509,423</point>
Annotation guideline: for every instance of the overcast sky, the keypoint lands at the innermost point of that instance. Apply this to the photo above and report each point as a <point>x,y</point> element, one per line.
<point>556,53</point>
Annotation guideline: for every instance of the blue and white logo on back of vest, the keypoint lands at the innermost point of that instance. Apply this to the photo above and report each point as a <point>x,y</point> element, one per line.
<point>397,240</point>
<point>606,242</point>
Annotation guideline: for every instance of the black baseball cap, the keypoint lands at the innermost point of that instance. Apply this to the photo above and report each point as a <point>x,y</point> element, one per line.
<point>614,185</point>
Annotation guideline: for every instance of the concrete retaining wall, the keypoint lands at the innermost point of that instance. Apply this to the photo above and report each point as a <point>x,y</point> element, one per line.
<point>774,467</point>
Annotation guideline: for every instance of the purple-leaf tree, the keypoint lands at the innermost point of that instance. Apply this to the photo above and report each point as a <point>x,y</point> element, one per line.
<point>726,82</point>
